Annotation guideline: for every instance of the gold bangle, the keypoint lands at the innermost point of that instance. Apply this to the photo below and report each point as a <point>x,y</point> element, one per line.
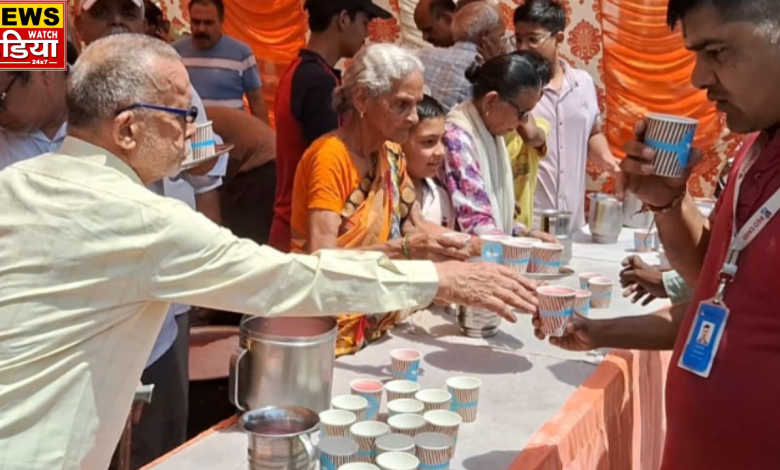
<point>405,248</point>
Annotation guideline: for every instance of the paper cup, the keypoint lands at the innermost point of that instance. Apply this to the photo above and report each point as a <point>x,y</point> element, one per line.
<point>600,292</point>
<point>359,466</point>
<point>529,240</point>
<point>366,433</point>
<point>582,302</point>
<point>444,422</point>
<point>336,423</point>
<point>371,390</point>
<point>336,452</point>
<point>517,254</point>
<point>546,258</point>
<point>405,405</point>
<point>405,364</point>
<point>434,399</point>
<point>644,240</point>
<point>353,403</point>
<point>556,306</point>
<point>585,277</point>
<point>394,443</point>
<point>492,250</point>
<point>672,138</point>
<point>398,461</point>
<point>397,389</point>
<point>407,423</point>
<point>434,450</point>
<point>465,397</point>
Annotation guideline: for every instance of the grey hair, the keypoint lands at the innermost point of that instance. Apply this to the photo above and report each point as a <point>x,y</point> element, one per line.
<point>104,80</point>
<point>377,68</point>
<point>473,20</point>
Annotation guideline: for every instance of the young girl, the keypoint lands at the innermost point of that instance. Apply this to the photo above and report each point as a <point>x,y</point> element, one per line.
<point>425,151</point>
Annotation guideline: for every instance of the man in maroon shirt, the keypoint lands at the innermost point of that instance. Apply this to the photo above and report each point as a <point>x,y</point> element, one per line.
<point>730,419</point>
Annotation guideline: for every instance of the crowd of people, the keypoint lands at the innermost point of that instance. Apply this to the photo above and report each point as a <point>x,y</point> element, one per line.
<point>347,206</point>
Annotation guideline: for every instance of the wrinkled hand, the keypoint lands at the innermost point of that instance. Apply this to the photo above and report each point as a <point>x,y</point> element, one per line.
<point>436,248</point>
<point>637,176</point>
<point>486,285</point>
<point>642,281</point>
<point>543,236</point>
<point>577,337</point>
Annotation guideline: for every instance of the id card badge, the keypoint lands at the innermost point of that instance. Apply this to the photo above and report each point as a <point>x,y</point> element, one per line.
<point>704,338</point>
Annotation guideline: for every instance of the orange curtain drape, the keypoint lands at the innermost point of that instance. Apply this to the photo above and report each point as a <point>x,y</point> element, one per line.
<point>275,29</point>
<point>647,69</point>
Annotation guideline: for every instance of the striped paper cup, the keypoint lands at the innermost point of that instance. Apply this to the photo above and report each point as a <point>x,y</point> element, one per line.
<point>546,258</point>
<point>517,254</point>
<point>336,452</point>
<point>672,138</point>
<point>203,145</point>
<point>434,399</point>
<point>434,450</point>
<point>600,292</point>
<point>644,240</point>
<point>354,403</point>
<point>405,405</point>
<point>556,306</point>
<point>394,443</point>
<point>398,461</point>
<point>444,422</point>
<point>359,466</point>
<point>582,302</point>
<point>365,434</point>
<point>492,249</point>
<point>407,423</point>
<point>371,390</point>
<point>465,397</point>
<point>585,277</point>
<point>397,389</point>
<point>336,423</point>
<point>405,364</point>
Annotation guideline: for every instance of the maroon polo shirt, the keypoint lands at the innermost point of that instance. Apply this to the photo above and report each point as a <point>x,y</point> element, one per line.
<point>731,420</point>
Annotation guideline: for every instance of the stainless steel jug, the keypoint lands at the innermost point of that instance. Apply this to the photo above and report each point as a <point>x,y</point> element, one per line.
<point>284,362</point>
<point>633,216</point>
<point>558,223</point>
<point>605,218</point>
<point>478,323</point>
<point>279,438</point>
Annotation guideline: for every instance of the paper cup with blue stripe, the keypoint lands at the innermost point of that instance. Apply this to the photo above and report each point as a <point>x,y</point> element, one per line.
<point>434,450</point>
<point>556,306</point>
<point>371,390</point>
<point>394,443</point>
<point>407,423</point>
<point>336,423</point>
<point>398,461</point>
<point>365,434</point>
<point>353,403</point>
<point>397,389</point>
<point>465,397</point>
<point>359,466</point>
<point>492,248</point>
<point>672,138</point>
<point>405,364</point>
<point>600,292</point>
<point>405,405</point>
<point>644,240</point>
<point>336,452</point>
<point>582,302</point>
<point>517,254</point>
<point>434,399</point>
<point>546,258</point>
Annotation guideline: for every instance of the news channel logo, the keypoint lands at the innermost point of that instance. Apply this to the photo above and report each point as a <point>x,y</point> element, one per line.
<point>33,35</point>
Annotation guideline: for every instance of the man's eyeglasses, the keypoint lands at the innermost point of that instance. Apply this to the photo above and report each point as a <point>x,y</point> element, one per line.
<point>532,41</point>
<point>521,113</point>
<point>4,94</point>
<point>189,115</point>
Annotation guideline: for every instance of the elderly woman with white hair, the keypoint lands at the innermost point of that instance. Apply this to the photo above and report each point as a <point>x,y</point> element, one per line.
<point>351,188</point>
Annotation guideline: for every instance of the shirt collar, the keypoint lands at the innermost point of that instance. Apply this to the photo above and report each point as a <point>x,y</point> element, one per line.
<point>78,148</point>
<point>569,78</point>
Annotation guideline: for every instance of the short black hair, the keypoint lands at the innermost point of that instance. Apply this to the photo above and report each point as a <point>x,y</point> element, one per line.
<point>320,20</point>
<point>509,74</point>
<point>217,3</point>
<point>430,108</point>
<point>754,11</point>
<point>153,13</point>
<point>437,8</point>
<point>549,14</point>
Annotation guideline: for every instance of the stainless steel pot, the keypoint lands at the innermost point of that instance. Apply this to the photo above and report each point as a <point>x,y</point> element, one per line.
<point>284,362</point>
<point>280,438</point>
<point>558,224</point>
<point>605,218</point>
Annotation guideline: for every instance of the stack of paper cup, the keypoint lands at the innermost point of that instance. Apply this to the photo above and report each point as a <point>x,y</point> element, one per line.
<point>582,302</point>
<point>556,306</point>
<point>336,423</point>
<point>434,450</point>
<point>517,254</point>
<point>336,452</point>
<point>492,250</point>
<point>672,138</point>
<point>366,434</point>
<point>394,443</point>
<point>405,364</point>
<point>546,258</point>
<point>405,405</point>
<point>644,240</point>
<point>397,389</point>
<point>371,390</point>
<point>409,424</point>
<point>434,399</point>
<point>398,461</point>
<point>465,397</point>
<point>444,422</point>
<point>585,277</point>
<point>354,403</point>
<point>601,292</point>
